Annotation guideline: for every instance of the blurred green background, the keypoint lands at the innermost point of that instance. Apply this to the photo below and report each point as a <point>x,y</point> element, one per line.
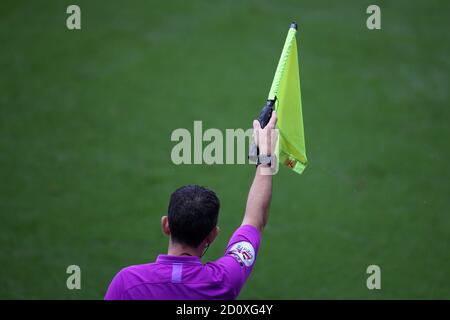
<point>86,118</point>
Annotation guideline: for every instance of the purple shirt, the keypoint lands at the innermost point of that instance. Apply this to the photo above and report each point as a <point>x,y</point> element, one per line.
<point>185,277</point>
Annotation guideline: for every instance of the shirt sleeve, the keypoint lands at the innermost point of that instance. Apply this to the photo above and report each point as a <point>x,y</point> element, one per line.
<point>116,288</point>
<point>240,256</point>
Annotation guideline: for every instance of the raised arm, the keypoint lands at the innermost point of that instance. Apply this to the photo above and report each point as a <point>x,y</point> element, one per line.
<point>260,194</point>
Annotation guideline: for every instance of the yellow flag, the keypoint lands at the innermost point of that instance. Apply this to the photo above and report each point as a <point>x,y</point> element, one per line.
<point>290,149</point>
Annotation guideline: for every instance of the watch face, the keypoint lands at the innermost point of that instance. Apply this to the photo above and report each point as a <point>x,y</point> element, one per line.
<point>264,159</point>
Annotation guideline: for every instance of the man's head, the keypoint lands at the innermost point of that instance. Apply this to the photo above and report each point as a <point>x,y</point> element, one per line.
<point>192,216</point>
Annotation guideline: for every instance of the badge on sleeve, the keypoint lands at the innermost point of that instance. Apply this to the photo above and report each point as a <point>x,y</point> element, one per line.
<point>244,251</point>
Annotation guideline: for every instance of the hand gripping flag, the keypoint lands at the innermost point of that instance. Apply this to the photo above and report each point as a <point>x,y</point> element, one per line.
<point>285,96</point>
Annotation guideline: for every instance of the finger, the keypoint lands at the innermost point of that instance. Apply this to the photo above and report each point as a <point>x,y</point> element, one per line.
<point>273,119</point>
<point>256,128</point>
<point>273,135</point>
<point>273,139</point>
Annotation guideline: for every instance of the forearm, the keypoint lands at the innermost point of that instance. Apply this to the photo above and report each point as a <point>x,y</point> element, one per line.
<point>260,194</point>
<point>258,201</point>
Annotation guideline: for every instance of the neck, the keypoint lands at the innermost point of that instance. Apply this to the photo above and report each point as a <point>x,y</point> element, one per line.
<point>176,249</point>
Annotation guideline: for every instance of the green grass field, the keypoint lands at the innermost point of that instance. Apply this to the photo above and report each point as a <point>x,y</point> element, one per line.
<point>86,118</point>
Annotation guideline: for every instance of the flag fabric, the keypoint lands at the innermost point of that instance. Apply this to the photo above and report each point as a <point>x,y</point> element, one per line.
<point>290,148</point>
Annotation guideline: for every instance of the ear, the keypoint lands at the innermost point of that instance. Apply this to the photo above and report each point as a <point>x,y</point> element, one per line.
<point>213,235</point>
<point>165,225</point>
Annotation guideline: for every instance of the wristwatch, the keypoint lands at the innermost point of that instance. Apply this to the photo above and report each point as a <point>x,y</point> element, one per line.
<point>263,159</point>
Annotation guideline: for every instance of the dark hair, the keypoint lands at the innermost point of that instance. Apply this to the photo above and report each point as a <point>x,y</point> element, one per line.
<point>193,213</point>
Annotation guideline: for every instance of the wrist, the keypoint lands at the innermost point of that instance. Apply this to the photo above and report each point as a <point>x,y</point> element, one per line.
<point>264,159</point>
